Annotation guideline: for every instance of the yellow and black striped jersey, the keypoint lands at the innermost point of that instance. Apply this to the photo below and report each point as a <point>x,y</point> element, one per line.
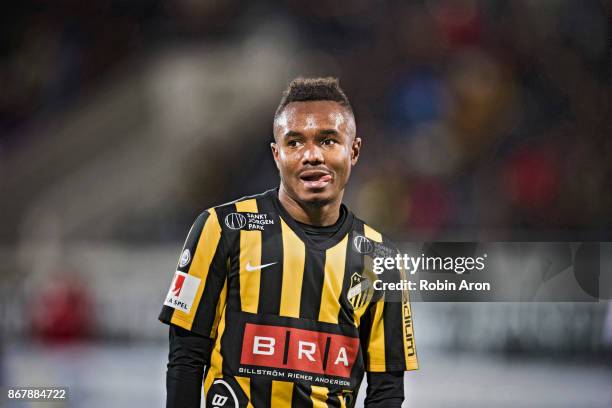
<point>295,322</point>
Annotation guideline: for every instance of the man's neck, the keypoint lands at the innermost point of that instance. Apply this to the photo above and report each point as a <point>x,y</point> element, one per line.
<point>318,215</point>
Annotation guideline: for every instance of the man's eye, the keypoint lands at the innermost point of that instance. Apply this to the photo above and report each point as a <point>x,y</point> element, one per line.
<point>292,143</point>
<point>329,142</point>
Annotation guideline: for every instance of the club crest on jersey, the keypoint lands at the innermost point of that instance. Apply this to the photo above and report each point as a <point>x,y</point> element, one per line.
<point>362,244</point>
<point>185,258</point>
<point>360,291</point>
<point>248,221</point>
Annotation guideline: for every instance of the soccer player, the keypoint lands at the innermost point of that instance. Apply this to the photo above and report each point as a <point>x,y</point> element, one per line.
<point>273,293</point>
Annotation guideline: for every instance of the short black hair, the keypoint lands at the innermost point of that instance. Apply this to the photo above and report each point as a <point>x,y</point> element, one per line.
<point>313,89</point>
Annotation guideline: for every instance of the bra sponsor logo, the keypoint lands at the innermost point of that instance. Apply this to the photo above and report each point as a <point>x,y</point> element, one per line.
<point>298,349</point>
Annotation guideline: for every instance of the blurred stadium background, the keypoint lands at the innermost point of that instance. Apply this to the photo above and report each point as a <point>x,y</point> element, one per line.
<point>121,120</point>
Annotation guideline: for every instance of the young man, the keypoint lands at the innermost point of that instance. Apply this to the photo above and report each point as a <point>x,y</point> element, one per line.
<point>273,292</point>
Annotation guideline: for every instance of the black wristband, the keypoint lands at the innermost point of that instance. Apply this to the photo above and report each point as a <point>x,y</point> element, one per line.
<point>385,390</point>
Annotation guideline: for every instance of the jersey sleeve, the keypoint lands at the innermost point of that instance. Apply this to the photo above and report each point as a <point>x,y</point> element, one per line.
<point>387,333</point>
<point>198,290</point>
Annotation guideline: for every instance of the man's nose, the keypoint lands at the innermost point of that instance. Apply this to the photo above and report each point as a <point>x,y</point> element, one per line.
<point>313,154</point>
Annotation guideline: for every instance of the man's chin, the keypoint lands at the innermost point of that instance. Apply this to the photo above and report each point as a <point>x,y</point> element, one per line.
<point>316,198</point>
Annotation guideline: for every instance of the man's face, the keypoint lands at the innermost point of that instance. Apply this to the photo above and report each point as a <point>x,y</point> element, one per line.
<point>315,149</point>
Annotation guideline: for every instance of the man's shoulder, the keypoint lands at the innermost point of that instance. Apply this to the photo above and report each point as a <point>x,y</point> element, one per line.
<point>372,233</point>
<point>234,211</point>
<point>243,204</point>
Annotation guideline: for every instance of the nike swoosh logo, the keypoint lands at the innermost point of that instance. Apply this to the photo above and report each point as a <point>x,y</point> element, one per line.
<point>254,268</point>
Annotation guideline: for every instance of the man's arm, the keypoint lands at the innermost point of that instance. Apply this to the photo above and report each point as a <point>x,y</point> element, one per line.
<point>189,353</point>
<point>386,332</point>
<point>193,318</point>
<point>385,390</point>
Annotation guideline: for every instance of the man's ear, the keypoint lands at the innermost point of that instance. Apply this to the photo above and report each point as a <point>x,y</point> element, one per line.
<point>355,150</point>
<point>275,152</point>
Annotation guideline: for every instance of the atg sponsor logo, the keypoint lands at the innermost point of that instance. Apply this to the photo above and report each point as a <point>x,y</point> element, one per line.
<point>182,291</point>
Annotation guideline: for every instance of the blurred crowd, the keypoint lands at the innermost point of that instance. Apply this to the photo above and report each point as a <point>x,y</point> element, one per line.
<point>480,119</point>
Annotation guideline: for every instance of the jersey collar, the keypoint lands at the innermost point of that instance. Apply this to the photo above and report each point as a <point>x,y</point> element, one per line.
<point>295,227</point>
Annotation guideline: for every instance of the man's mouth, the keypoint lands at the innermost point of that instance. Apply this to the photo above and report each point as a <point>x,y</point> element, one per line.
<point>315,179</point>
